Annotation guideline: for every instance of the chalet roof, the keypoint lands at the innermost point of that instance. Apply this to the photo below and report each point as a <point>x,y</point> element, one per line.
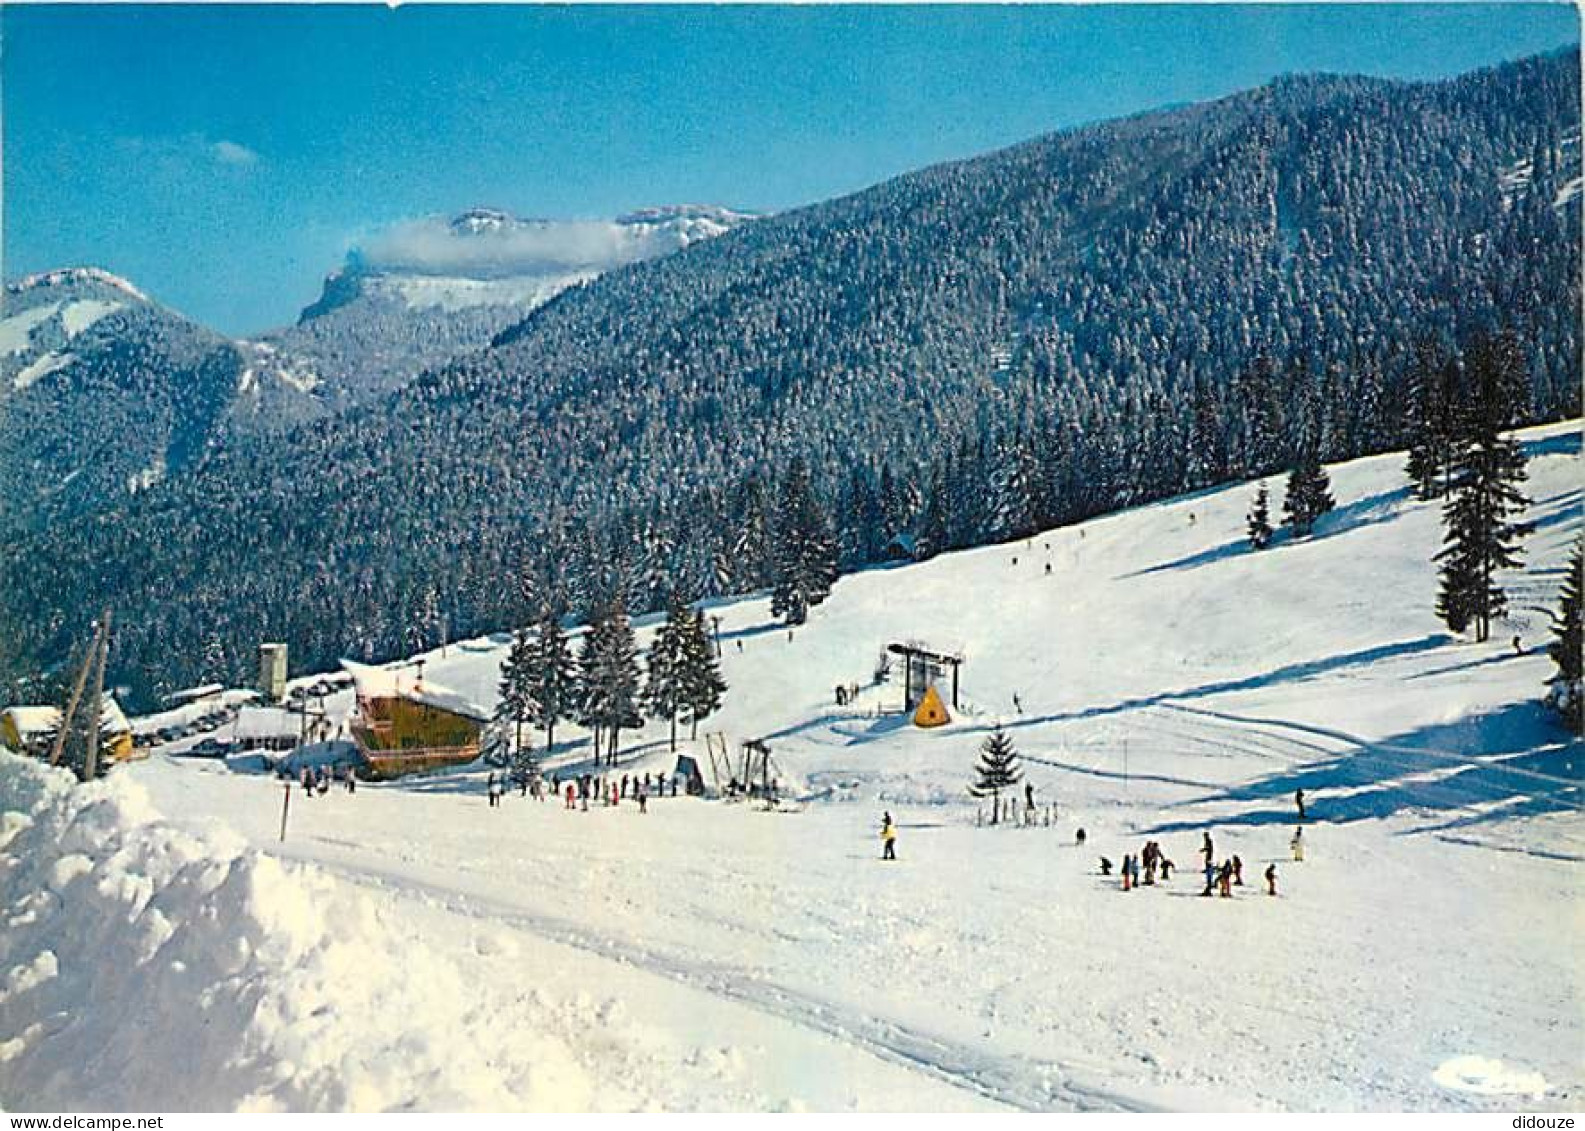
<point>388,683</point>
<point>36,720</point>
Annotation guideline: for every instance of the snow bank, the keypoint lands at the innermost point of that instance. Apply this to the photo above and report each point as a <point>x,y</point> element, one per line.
<point>147,965</point>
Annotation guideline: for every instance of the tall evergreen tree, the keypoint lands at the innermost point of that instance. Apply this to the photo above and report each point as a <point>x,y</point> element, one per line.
<point>806,552</point>
<point>514,703</point>
<point>1260,518</point>
<point>702,683</point>
<point>996,770</point>
<point>610,678</point>
<point>1481,535</point>
<point>1567,692</point>
<point>553,676</point>
<point>663,689</point>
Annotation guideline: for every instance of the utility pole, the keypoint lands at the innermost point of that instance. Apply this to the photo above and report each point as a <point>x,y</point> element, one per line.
<point>95,704</point>
<point>59,746</point>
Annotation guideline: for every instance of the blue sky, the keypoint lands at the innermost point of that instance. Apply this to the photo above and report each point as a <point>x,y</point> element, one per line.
<point>224,158</point>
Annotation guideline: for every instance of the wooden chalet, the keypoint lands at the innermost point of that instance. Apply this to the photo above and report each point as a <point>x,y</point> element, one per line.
<point>406,724</point>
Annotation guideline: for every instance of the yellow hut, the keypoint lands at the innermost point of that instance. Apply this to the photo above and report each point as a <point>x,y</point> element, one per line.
<point>931,712</point>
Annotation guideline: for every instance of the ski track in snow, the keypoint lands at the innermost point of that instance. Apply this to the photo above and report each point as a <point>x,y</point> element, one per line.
<point>1002,1079</point>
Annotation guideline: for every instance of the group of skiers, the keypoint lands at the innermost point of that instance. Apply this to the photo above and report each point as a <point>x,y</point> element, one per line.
<point>1220,879</point>
<point>608,791</point>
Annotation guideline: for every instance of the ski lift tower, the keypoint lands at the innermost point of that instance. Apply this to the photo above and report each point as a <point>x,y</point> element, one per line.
<point>921,668</point>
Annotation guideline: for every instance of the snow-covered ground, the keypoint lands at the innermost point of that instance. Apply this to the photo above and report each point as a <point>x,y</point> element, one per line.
<point>408,946</point>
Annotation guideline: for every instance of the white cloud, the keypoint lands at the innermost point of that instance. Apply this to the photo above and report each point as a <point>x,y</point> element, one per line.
<point>233,153</point>
<point>503,246</point>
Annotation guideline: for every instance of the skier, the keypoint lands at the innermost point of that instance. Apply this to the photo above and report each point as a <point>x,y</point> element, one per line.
<point>1048,569</point>
<point>1128,871</point>
<point>1271,879</point>
<point>1210,876</point>
<point>572,797</point>
<point>352,780</point>
<point>1297,844</point>
<point>1078,838</point>
<point>1018,704</point>
<point>1029,797</point>
<point>643,800</point>
<point>1518,648</point>
<point>492,790</point>
<point>888,839</point>
<point>1298,802</point>
<point>1224,879</point>
<point>1166,869</point>
<point>1206,848</point>
<point>1238,871</point>
<point>1106,866</point>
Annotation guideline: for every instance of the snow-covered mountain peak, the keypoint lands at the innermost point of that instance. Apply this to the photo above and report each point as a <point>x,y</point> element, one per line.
<point>74,277</point>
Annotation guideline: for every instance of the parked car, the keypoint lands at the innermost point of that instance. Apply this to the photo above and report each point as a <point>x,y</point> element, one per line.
<point>208,748</point>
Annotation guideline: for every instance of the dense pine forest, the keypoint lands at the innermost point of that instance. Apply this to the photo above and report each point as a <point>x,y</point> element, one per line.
<point>972,352</point>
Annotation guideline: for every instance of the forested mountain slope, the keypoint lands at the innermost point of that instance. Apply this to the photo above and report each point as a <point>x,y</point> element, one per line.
<point>1093,318</point>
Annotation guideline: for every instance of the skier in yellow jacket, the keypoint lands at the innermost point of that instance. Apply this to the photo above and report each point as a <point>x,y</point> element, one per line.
<point>888,838</point>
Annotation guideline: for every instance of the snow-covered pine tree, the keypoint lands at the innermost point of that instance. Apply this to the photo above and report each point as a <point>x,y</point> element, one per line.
<point>1427,419</point>
<point>553,683</point>
<point>1308,494</point>
<point>1205,460</point>
<point>217,665</point>
<point>702,682</point>
<point>1481,536</point>
<point>663,686</point>
<point>525,762</point>
<point>1017,490</point>
<point>806,552</point>
<point>996,770</point>
<point>515,703</point>
<point>1566,692</point>
<point>611,678</point>
<point>1260,518</point>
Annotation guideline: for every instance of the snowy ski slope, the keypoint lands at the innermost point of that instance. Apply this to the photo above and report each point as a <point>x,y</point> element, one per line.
<point>711,954</point>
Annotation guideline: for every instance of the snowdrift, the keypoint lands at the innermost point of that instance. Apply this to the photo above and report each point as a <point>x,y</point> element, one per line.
<point>173,968</point>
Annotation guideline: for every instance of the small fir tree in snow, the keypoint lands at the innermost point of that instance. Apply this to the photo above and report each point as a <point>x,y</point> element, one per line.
<point>1567,691</point>
<point>1481,537</point>
<point>996,770</point>
<point>1308,496</point>
<point>525,763</point>
<point>1260,518</point>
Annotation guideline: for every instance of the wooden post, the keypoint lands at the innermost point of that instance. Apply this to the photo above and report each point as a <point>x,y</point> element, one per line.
<point>95,703</point>
<point>955,686</point>
<point>71,706</point>
<point>286,803</point>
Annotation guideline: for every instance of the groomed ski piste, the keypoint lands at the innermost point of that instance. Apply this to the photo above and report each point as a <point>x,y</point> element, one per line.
<point>409,947</point>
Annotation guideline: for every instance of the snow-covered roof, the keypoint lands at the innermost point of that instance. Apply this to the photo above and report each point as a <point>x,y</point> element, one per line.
<point>266,722</point>
<point>34,720</point>
<point>189,694</point>
<point>398,683</point>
